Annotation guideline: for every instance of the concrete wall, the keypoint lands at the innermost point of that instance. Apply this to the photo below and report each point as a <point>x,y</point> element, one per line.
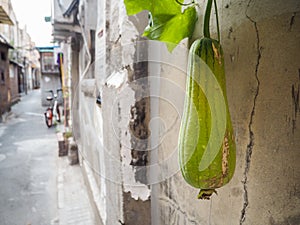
<point>261,45</point>
<point>128,144</point>
<point>105,136</point>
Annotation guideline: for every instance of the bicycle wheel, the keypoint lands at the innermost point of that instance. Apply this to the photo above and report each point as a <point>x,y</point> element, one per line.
<point>48,118</point>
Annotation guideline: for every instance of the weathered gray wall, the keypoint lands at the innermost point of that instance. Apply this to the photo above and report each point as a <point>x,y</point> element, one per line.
<point>262,48</point>
<point>131,140</point>
<point>106,138</point>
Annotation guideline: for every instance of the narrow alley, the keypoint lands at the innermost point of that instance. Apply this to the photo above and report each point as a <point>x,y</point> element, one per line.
<point>174,112</point>
<point>37,186</point>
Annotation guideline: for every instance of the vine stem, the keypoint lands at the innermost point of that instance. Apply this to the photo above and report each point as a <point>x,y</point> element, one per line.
<point>217,20</point>
<point>206,31</point>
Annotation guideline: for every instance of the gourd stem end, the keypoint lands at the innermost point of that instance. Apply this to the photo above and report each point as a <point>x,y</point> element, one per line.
<point>206,193</point>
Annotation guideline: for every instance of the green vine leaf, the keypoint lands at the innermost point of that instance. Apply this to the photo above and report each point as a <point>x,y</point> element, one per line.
<point>168,24</point>
<point>172,29</point>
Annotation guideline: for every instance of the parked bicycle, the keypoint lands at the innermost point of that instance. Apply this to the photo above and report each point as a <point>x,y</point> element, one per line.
<point>53,109</point>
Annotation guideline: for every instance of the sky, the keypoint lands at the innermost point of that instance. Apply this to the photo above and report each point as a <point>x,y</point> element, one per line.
<point>32,13</point>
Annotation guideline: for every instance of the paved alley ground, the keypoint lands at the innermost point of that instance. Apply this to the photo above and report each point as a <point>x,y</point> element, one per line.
<point>27,166</point>
<point>33,178</point>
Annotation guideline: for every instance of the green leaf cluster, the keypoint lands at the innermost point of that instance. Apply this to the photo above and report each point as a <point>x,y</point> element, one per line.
<point>168,21</point>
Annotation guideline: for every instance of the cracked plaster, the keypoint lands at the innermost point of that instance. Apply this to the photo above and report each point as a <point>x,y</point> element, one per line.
<point>260,48</point>
<point>251,132</point>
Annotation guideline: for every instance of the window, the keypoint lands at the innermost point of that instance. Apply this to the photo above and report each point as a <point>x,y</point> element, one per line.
<point>48,63</point>
<point>3,56</point>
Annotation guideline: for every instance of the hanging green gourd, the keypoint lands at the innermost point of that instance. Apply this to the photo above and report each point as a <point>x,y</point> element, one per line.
<point>207,151</point>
